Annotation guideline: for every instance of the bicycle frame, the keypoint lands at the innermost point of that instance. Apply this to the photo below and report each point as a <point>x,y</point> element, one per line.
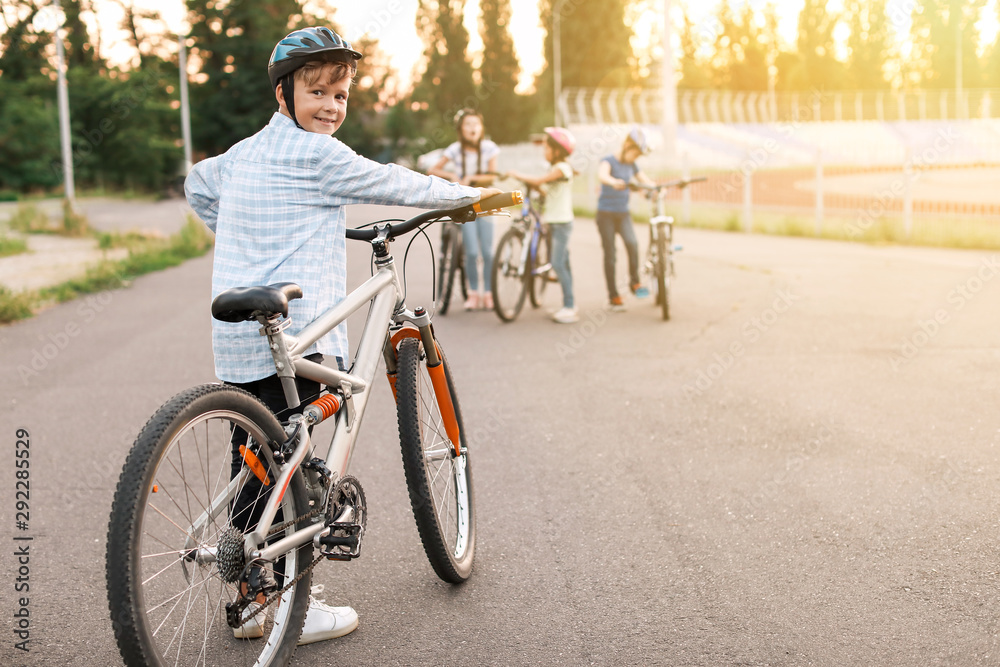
<point>534,231</point>
<point>385,294</point>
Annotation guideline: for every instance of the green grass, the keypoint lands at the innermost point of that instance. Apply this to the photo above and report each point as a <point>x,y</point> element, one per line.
<point>12,246</point>
<point>29,219</point>
<point>145,256</point>
<point>15,305</point>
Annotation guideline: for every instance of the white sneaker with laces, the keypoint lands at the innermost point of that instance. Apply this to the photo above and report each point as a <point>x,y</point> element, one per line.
<point>252,629</point>
<point>326,622</point>
<point>566,316</point>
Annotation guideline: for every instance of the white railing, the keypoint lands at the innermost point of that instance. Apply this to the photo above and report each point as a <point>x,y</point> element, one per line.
<point>584,106</point>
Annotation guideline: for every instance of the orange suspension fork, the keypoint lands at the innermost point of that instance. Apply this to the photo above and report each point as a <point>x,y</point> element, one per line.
<point>435,368</point>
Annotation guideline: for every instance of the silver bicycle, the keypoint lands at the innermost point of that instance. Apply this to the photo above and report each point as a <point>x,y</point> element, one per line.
<point>220,507</point>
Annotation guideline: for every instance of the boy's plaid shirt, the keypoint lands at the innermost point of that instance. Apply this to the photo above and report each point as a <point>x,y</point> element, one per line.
<point>276,204</point>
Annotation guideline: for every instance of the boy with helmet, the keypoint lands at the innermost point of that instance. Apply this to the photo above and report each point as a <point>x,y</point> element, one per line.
<point>276,204</point>
<point>614,173</point>
<point>557,211</point>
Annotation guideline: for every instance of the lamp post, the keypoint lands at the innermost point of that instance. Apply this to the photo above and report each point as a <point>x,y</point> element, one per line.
<point>669,88</point>
<point>63,100</point>
<point>557,56</point>
<point>185,108</point>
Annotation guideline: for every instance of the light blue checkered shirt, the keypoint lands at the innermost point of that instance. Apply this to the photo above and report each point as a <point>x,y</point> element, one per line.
<point>276,204</point>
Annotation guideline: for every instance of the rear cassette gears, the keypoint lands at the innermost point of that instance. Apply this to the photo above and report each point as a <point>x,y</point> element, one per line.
<point>229,557</point>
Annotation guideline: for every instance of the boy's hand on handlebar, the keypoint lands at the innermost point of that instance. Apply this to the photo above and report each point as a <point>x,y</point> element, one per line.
<point>485,193</point>
<point>619,184</point>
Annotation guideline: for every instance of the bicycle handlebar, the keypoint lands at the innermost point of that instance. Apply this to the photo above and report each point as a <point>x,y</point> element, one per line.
<point>679,183</point>
<point>461,214</point>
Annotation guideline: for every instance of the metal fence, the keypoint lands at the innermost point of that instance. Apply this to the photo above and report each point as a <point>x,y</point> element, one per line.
<point>597,106</point>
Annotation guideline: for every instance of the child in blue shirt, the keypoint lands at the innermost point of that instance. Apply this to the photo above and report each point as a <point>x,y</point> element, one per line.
<point>614,173</point>
<point>276,204</point>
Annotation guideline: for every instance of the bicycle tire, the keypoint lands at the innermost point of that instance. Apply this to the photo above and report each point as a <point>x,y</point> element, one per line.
<point>510,276</point>
<point>543,256</point>
<point>439,483</point>
<point>167,604</point>
<point>446,268</point>
<point>663,271</point>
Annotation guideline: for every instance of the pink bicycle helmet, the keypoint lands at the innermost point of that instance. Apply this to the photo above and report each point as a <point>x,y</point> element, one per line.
<point>562,137</point>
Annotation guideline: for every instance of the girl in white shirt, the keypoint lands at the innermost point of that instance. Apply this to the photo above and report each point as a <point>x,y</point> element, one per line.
<point>474,159</point>
<point>557,212</point>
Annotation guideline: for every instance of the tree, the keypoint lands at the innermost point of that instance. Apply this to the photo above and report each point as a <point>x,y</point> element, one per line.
<point>868,44</point>
<point>695,71</point>
<point>29,134</point>
<point>504,111</point>
<point>22,44</point>
<point>935,33</point>
<point>741,51</point>
<point>818,67</point>
<point>595,47</point>
<point>233,43</point>
<point>446,85</point>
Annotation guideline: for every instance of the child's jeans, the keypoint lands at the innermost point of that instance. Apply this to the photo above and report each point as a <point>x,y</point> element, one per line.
<point>610,223</point>
<point>477,236</point>
<point>560,259</point>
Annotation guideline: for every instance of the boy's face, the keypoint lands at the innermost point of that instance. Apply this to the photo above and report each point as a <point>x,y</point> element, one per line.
<point>320,107</point>
<point>631,154</point>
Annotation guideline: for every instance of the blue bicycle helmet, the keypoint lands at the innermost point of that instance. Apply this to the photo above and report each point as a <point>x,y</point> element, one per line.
<point>303,46</point>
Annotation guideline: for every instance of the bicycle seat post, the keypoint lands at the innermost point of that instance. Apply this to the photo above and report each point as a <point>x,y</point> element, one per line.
<point>272,327</point>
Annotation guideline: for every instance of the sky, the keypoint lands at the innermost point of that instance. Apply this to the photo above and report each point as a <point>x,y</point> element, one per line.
<point>392,23</point>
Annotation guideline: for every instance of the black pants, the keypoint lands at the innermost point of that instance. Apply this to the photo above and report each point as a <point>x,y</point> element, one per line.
<point>249,504</point>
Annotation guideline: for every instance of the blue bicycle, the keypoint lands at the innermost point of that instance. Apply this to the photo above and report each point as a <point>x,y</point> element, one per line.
<point>521,263</point>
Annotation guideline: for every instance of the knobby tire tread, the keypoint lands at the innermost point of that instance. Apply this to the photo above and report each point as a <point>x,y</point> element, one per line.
<point>124,529</point>
<point>411,364</point>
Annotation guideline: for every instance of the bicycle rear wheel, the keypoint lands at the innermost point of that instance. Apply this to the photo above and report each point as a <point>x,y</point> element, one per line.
<point>539,273</point>
<point>172,511</point>
<point>510,277</point>
<point>440,483</point>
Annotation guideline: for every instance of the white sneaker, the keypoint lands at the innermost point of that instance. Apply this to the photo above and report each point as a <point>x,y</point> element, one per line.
<point>326,622</point>
<point>566,316</point>
<point>252,629</point>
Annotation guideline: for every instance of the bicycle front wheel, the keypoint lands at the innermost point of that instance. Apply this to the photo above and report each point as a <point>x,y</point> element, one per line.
<point>439,482</point>
<point>664,267</point>
<point>510,275</point>
<point>447,267</point>
<point>178,517</point>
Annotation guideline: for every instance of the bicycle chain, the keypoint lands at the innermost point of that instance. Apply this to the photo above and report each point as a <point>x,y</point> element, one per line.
<point>277,596</point>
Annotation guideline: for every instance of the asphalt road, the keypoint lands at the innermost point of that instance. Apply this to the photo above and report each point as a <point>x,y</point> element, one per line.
<point>799,469</point>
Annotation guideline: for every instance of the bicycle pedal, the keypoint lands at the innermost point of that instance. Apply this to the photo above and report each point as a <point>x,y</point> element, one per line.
<point>347,514</point>
<point>340,541</point>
